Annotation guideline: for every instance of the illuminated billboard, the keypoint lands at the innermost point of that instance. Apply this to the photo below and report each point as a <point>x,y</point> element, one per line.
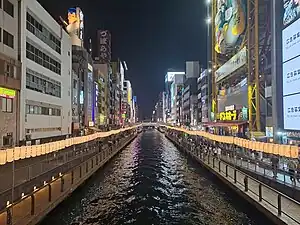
<point>75,25</point>
<point>291,41</point>
<point>291,66</point>
<point>236,62</point>
<point>230,24</point>
<point>104,46</point>
<point>170,76</point>
<point>291,112</point>
<point>291,11</point>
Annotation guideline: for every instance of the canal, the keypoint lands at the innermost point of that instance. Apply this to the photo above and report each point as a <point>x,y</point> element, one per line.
<point>151,182</point>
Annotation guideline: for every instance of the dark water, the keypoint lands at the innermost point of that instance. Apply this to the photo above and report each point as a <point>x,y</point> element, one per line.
<point>151,182</point>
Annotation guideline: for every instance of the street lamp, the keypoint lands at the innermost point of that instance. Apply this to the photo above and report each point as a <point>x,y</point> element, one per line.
<point>208,20</point>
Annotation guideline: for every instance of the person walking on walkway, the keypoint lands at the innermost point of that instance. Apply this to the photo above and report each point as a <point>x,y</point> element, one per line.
<point>275,162</point>
<point>298,171</point>
<point>292,168</point>
<point>219,151</point>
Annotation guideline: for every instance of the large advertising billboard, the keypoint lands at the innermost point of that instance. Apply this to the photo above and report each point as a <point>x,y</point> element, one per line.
<point>291,41</point>
<point>291,77</point>
<point>291,65</point>
<point>236,62</point>
<point>230,24</point>
<point>75,26</point>
<point>291,11</point>
<point>291,112</point>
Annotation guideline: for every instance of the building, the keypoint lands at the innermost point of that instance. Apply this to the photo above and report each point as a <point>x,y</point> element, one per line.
<point>176,86</point>
<point>159,108</point>
<point>45,51</point>
<point>118,73</point>
<point>75,104</point>
<point>127,102</point>
<point>173,82</point>
<point>189,101</point>
<point>10,75</point>
<point>82,65</point>
<point>102,78</point>
<point>179,107</point>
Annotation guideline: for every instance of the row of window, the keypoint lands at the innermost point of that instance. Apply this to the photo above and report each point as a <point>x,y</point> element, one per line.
<point>42,33</point>
<point>49,129</point>
<point>42,58</point>
<point>7,38</point>
<point>40,83</point>
<point>40,110</point>
<point>7,105</point>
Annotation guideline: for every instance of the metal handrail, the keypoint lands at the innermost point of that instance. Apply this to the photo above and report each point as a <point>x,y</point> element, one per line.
<point>260,184</point>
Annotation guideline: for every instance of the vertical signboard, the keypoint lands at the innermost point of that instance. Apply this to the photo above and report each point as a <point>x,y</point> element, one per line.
<point>104,46</point>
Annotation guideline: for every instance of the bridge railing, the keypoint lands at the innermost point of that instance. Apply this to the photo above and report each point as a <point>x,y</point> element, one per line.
<point>17,153</point>
<point>289,151</point>
<point>276,202</point>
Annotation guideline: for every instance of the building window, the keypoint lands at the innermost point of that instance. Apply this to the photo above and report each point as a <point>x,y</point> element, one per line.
<point>10,70</point>
<point>7,140</point>
<point>39,110</point>
<point>40,83</point>
<point>8,7</point>
<point>42,33</point>
<point>7,105</point>
<point>8,39</point>
<point>42,58</point>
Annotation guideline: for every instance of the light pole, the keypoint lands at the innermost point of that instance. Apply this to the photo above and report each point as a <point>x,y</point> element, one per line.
<point>208,55</point>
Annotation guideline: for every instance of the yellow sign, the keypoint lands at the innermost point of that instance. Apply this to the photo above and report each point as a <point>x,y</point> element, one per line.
<point>228,115</point>
<point>7,93</point>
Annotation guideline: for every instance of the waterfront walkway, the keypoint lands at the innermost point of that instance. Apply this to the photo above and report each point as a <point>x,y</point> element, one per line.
<point>284,209</point>
<point>263,169</point>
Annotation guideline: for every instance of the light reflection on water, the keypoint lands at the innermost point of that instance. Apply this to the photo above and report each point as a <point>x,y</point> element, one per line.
<point>151,182</point>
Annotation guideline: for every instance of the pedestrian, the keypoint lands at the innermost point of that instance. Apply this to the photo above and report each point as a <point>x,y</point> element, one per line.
<point>298,171</point>
<point>275,162</point>
<point>292,168</point>
<point>219,151</point>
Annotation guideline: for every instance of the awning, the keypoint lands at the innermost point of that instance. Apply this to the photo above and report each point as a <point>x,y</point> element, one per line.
<point>224,124</point>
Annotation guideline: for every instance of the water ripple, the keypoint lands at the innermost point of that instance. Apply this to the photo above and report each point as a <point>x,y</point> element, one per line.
<point>150,182</point>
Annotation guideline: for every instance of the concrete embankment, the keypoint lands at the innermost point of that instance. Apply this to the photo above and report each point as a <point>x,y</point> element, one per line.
<point>278,207</point>
<point>33,207</point>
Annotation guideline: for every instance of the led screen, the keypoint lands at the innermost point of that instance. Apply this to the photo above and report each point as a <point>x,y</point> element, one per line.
<point>291,11</point>
<point>291,41</point>
<point>291,76</point>
<point>291,112</point>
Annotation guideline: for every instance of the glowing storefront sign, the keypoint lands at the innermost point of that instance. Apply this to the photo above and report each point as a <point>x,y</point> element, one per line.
<point>7,93</point>
<point>228,115</point>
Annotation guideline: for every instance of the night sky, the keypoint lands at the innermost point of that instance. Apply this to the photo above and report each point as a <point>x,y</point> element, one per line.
<point>150,35</point>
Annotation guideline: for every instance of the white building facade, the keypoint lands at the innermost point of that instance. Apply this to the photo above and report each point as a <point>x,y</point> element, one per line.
<point>10,74</point>
<point>45,105</point>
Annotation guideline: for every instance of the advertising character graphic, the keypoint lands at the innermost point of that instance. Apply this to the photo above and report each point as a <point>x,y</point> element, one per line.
<point>291,11</point>
<point>230,24</point>
<point>74,26</point>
